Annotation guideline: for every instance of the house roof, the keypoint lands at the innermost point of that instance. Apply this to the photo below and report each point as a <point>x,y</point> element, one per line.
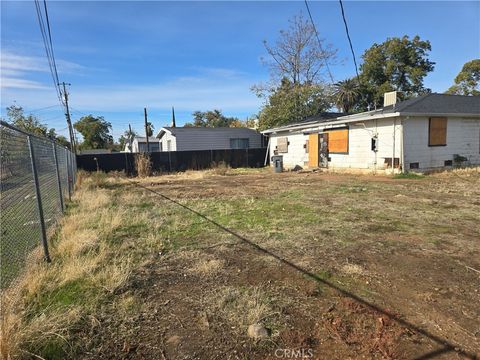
<point>203,130</point>
<point>144,139</point>
<point>311,120</point>
<point>425,105</point>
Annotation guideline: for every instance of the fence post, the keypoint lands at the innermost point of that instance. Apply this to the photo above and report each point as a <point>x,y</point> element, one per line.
<point>68,164</point>
<point>58,175</point>
<point>39,200</point>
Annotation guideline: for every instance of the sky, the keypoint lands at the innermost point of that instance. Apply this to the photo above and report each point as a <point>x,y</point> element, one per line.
<point>122,56</point>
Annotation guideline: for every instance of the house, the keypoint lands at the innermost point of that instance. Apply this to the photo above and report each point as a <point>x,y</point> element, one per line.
<point>203,138</point>
<point>95,151</point>
<point>139,144</point>
<point>424,133</point>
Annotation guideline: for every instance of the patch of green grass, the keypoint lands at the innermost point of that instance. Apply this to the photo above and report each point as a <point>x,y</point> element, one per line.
<point>408,175</point>
<point>74,292</point>
<point>53,348</point>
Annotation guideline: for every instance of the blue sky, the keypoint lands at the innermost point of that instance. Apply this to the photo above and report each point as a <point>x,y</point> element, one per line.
<point>123,56</point>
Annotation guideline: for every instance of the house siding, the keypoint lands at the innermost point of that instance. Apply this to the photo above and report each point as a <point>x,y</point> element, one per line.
<point>218,139</point>
<point>167,136</point>
<point>360,155</point>
<point>463,138</point>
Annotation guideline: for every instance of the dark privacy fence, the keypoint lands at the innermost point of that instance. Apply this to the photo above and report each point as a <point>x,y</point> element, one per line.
<point>37,175</point>
<point>174,160</point>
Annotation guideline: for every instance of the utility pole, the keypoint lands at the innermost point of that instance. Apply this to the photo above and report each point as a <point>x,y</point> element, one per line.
<point>130,137</point>
<point>67,114</point>
<point>146,129</point>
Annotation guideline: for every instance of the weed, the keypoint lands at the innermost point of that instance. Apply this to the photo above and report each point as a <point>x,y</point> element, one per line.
<point>408,175</point>
<point>143,165</point>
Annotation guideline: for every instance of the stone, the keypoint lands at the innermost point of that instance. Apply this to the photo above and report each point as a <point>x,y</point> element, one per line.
<point>258,331</point>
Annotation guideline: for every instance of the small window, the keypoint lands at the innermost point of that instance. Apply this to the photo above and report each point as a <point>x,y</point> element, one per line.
<point>414,165</point>
<point>239,143</point>
<point>282,145</point>
<point>169,145</point>
<point>306,146</point>
<point>437,131</point>
<point>448,163</point>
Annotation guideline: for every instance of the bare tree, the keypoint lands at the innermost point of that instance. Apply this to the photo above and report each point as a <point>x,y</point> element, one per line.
<point>297,55</point>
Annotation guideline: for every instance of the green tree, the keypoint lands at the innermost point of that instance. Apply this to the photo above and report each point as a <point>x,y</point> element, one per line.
<point>32,124</point>
<point>397,64</point>
<point>150,129</point>
<point>95,132</point>
<point>467,82</point>
<point>213,118</point>
<point>291,103</point>
<point>126,138</point>
<point>346,94</point>
<point>28,123</point>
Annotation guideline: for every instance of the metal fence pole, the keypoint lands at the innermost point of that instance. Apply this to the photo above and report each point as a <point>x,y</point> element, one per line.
<point>58,175</point>
<point>39,200</point>
<point>68,164</point>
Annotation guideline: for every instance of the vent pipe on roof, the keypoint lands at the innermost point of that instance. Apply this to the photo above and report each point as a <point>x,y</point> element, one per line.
<point>389,98</point>
<point>173,117</point>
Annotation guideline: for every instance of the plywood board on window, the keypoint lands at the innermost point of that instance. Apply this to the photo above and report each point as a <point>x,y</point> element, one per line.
<point>338,141</point>
<point>437,131</point>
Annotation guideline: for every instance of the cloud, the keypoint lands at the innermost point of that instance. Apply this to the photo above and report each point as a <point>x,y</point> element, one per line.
<point>21,83</point>
<point>16,69</point>
<point>201,92</point>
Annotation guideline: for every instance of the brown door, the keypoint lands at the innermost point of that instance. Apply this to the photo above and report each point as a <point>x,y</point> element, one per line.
<point>313,150</point>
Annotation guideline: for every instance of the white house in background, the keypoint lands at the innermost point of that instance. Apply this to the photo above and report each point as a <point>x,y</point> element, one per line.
<point>424,133</point>
<point>202,138</point>
<point>139,144</point>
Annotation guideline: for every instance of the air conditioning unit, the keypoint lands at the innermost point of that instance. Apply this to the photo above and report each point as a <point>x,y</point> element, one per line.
<point>389,98</point>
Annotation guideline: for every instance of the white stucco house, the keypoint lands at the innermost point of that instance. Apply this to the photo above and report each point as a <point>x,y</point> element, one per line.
<point>424,133</point>
<point>139,144</point>
<point>202,138</point>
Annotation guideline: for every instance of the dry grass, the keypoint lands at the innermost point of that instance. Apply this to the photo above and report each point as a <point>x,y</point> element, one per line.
<point>220,168</point>
<point>51,298</point>
<point>143,165</point>
<point>207,267</point>
<point>242,307</point>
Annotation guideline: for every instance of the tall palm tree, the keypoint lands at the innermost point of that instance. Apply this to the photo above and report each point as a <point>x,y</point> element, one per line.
<point>346,93</point>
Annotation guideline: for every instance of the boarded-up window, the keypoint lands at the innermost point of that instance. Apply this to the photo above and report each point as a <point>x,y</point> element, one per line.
<point>437,131</point>
<point>282,145</point>
<point>338,141</point>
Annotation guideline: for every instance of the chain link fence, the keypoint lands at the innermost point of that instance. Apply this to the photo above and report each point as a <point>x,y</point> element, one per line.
<point>36,176</point>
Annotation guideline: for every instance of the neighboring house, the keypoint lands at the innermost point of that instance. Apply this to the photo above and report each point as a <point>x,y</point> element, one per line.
<point>424,133</point>
<point>139,144</point>
<point>202,138</point>
<point>95,151</point>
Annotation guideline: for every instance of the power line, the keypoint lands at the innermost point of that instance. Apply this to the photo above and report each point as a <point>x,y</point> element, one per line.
<point>319,42</point>
<point>48,48</point>
<point>349,41</point>
<point>41,109</point>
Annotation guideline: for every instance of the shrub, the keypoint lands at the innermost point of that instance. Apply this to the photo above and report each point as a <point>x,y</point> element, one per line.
<point>220,168</point>
<point>143,165</point>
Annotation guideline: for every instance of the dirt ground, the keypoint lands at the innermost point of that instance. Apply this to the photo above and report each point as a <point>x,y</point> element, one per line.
<point>333,266</point>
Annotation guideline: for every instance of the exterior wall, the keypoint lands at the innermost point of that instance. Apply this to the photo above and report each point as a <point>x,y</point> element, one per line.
<point>136,146</point>
<point>215,140</point>
<point>360,155</point>
<point>296,154</point>
<point>463,138</point>
<point>164,142</point>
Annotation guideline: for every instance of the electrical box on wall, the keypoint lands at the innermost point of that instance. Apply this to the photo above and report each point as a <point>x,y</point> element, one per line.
<point>374,144</point>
